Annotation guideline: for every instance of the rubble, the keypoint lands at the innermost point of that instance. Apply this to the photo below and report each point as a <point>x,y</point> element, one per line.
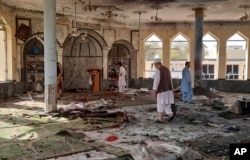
<point>107,123</point>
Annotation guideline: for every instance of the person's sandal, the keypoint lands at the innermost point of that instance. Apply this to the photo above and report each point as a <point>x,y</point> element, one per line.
<point>158,121</point>
<point>171,118</point>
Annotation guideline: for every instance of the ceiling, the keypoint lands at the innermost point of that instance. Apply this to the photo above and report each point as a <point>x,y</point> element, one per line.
<point>127,12</point>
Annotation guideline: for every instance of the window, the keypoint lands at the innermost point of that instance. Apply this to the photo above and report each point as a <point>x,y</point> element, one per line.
<point>153,50</point>
<point>176,70</point>
<point>207,71</point>
<point>179,54</point>
<point>236,57</point>
<point>232,72</point>
<point>209,47</point>
<point>209,57</point>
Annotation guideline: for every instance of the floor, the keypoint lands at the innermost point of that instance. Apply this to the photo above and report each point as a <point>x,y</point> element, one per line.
<point>201,130</point>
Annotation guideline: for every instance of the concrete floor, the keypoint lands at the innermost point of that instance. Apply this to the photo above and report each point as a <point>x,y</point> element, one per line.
<point>198,132</point>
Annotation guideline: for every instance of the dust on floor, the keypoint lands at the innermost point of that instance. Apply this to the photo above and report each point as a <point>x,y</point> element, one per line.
<point>198,132</point>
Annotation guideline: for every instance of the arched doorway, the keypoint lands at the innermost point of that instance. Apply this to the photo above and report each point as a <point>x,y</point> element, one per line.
<point>79,55</point>
<point>123,51</point>
<point>33,58</point>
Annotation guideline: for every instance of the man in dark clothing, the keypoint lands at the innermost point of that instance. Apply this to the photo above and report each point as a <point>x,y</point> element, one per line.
<point>163,90</point>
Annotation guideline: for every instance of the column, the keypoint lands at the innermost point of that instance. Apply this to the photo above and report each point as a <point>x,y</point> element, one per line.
<point>50,55</point>
<point>222,58</point>
<point>248,62</point>
<point>199,14</point>
<point>105,62</point>
<point>166,52</point>
<point>3,52</point>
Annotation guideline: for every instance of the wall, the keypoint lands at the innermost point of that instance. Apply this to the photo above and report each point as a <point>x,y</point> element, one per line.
<point>168,31</point>
<point>219,85</point>
<point>221,30</point>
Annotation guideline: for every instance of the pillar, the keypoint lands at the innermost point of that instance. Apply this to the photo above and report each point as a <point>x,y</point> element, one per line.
<point>105,62</point>
<point>3,52</point>
<point>222,58</point>
<point>199,14</point>
<point>248,62</point>
<point>50,55</point>
<point>166,52</point>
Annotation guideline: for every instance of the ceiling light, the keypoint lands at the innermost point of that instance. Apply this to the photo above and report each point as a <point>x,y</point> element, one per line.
<point>90,7</point>
<point>75,30</point>
<point>244,17</point>
<point>156,18</point>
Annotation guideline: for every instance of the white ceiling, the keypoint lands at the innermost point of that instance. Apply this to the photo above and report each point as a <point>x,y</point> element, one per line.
<point>170,10</point>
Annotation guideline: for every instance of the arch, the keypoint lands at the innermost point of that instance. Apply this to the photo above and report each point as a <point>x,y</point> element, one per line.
<point>181,34</point>
<point>127,44</point>
<point>153,34</point>
<point>210,56</point>
<point>153,50</point>
<point>79,55</point>
<point>212,35</point>
<point>91,33</point>
<point>129,58</point>
<point>179,53</point>
<point>40,36</point>
<point>236,54</point>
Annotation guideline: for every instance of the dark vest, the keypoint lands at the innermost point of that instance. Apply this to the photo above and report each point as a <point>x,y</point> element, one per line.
<point>165,80</point>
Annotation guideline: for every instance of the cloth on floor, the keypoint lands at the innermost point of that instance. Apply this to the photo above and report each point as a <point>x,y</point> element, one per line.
<point>162,151</point>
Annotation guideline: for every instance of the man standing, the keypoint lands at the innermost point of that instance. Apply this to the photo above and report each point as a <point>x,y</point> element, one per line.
<point>186,87</point>
<point>122,74</point>
<point>59,80</point>
<point>163,90</point>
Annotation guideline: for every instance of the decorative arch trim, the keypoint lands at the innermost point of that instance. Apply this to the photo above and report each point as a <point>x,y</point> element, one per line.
<point>180,33</point>
<point>39,36</point>
<point>239,33</point>
<point>151,34</point>
<point>91,33</point>
<point>127,44</point>
<point>211,34</point>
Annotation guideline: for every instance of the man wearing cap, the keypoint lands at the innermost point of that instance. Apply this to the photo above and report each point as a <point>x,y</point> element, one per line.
<point>163,90</point>
<point>121,80</point>
<point>186,87</point>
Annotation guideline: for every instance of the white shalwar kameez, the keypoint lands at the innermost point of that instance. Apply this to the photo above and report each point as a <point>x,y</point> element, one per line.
<point>122,81</point>
<point>164,99</point>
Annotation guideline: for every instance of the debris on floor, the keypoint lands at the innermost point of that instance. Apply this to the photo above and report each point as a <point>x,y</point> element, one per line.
<point>110,125</point>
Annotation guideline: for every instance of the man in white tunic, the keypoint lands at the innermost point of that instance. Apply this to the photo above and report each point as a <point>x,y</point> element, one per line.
<point>121,81</point>
<point>163,90</point>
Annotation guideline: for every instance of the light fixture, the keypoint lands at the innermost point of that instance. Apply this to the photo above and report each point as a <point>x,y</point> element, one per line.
<point>156,18</point>
<point>75,29</point>
<point>245,17</point>
<point>124,24</point>
<point>89,7</point>
<point>139,20</point>
<point>84,35</point>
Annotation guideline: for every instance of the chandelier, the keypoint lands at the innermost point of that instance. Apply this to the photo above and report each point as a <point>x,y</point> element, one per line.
<point>89,7</point>
<point>75,30</point>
